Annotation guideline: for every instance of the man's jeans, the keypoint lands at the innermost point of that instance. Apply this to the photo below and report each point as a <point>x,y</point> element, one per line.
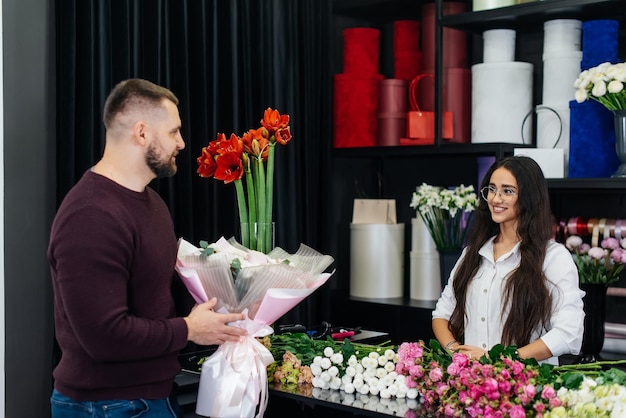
<point>64,407</point>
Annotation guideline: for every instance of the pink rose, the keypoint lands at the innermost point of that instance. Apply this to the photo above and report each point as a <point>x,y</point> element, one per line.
<point>435,374</point>
<point>517,412</point>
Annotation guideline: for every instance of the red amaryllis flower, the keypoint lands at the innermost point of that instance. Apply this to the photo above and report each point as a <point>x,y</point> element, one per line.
<point>273,121</point>
<point>206,164</point>
<point>283,135</point>
<point>255,142</point>
<point>229,167</point>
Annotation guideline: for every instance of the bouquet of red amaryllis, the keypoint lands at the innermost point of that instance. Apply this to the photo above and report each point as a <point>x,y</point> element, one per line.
<point>248,162</point>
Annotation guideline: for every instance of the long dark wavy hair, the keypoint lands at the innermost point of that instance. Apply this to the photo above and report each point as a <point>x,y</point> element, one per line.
<point>526,287</point>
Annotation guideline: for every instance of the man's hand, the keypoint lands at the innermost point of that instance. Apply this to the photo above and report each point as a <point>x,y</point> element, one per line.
<point>207,327</point>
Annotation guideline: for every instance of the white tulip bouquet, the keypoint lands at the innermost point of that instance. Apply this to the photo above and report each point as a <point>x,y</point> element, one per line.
<point>604,84</point>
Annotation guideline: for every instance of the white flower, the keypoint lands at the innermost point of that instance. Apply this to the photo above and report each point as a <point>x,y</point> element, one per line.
<point>390,354</point>
<point>604,83</point>
<point>336,358</point>
<point>350,371</point>
<point>412,393</point>
<point>316,369</point>
<point>364,389</point>
<point>325,363</point>
<point>328,351</point>
<point>335,383</point>
<point>353,361</point>
<point>445,209</point>
<point>349,388</point>
<point>333,371</point>
<point>390,367</point>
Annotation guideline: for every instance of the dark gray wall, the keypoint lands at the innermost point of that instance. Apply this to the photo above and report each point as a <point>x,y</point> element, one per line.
<point>29,164</point>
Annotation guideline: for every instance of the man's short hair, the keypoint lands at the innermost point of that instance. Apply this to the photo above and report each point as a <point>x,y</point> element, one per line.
<point>134,93</point>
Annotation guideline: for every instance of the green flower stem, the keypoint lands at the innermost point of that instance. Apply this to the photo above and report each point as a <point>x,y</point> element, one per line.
<point>243,214</point>
<point>598,365</point>
<point>252,243</point>
<point>259,182</point>
<point>269,198</point>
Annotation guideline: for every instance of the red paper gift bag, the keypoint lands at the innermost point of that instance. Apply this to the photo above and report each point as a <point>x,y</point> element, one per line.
<point>421,124</point>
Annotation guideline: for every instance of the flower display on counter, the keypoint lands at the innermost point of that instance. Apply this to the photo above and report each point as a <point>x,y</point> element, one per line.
<point>604,84</point>
<point>446,213</point>
<point>601,264</point>
<point>248,162</point>
<point>436,382</point>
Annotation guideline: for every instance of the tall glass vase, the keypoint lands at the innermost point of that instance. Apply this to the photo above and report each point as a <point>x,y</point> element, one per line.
<point>619,118</point>
<point>594,305</point>
<point>258,236</point>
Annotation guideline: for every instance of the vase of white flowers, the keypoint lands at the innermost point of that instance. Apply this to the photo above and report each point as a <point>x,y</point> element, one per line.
<point>605,84</point>
<point>446,213</point>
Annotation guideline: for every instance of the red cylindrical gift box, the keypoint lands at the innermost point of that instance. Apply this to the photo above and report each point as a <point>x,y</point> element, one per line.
<point>392,107</point>
<point>355,105</point>
<point>458,100</point>
<point>390,128</point>
<point>361,51</point>
<point>454,40</point>
<point>407,65</point>
<point>406,36</point>
<point>393,96</point>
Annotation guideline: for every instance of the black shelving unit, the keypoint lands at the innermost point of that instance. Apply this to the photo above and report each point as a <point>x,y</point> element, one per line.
<point>401,168</point>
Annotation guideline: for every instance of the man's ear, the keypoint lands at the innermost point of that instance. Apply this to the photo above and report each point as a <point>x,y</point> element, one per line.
<point>140,132</point>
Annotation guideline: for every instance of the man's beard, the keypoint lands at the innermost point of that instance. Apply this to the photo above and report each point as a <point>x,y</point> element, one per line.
<point>161,168</point>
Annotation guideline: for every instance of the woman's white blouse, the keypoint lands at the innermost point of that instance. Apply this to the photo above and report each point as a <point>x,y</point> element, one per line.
<point>485,318</point>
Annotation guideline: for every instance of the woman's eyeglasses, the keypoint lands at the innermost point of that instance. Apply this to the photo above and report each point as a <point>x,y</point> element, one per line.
<point>489,192</point>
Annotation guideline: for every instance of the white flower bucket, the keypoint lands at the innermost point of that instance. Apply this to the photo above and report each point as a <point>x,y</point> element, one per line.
<point>376,260</point>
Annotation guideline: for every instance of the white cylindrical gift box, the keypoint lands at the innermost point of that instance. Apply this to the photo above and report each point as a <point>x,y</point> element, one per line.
<point>499,45</point>
<point>562,35</point>
<point>501,99</point>
<point>491,4</point>
<point>421,240</point>
<point>376,260</point>
<point>553,121</point>
<point>425,282</point>
<point>559,73</point>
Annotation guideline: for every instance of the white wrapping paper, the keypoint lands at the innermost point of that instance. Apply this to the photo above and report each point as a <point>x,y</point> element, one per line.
<point>233,381</point>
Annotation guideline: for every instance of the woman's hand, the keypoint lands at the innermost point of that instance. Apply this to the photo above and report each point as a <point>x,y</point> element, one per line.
<point>474,353</point>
